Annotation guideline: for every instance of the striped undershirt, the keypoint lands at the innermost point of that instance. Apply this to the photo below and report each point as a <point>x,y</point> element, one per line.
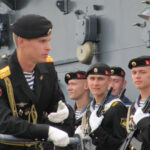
<point>30,79</point>
<point>141,103</point>
<point>96,106</point>
<point>77,114</point>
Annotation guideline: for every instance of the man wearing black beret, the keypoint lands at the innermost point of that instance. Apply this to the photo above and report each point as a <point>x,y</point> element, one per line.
<point>139,117</point>
<point>31,103</point>
<point>78,92</point>
<point>118,82</point>
<point>108,129</point>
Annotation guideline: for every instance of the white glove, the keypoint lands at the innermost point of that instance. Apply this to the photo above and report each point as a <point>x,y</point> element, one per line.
<point>95,121</point>
<point>59,137</point>
<point>79,131</point>
<point>61,114</point>
<point>139,115</point>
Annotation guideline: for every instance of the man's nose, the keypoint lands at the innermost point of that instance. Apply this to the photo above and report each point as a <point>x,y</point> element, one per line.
<point>48,47</point>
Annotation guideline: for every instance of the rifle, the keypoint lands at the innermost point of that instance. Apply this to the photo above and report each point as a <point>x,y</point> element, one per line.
<point>101,107</point>
<point>131,141</point>
<point>122,93</point>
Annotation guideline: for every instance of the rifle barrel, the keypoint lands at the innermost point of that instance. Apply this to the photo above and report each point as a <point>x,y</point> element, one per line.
<point>122,93</point>
<point>100,109</point>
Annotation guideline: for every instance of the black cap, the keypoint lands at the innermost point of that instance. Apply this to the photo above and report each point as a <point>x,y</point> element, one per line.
<point>32,26</point>
<point>99,69</point>
<point>75,75</point>
<point>117,71</point>
<point>139,62</point>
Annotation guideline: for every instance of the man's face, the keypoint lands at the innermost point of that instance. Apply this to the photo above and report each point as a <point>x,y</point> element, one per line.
<point>141,77</point>
<point>76,88</point>
<point>118,83</point>
<point>98,84</point>
<point>36,50</point>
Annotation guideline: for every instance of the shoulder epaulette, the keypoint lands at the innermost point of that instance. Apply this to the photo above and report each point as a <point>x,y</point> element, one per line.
<point>88,106</point>
<point>5,72</point>
<point>4,56</point>
<point>114,103</point>
<point>49,59</point>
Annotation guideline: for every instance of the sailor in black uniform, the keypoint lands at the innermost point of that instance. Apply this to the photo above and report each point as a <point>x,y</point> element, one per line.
<point>31,103</point>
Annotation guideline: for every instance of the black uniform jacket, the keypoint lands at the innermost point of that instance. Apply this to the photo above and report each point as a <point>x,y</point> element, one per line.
<point>143,130</point>
<point>45,97</point>
<point>109,135</point>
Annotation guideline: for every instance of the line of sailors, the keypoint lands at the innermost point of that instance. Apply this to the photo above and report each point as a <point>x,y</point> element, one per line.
<point>110,129</point>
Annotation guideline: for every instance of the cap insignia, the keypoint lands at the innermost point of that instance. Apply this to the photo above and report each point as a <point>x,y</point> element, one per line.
<point>49,31</point>
<point>112,71</point>
<point>95,70</point>
<point>133,63</point>
<point>67,76</point>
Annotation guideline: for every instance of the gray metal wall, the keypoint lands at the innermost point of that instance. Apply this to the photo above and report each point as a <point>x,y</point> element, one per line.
<point>119,40</point>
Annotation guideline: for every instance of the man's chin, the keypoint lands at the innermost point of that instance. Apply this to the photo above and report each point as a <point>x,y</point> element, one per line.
<point>42,60</point>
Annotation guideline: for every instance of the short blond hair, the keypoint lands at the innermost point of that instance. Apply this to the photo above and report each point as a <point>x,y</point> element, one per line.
<point>15,39</point>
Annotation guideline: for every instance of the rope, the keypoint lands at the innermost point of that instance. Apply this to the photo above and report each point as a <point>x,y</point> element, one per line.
<point>11,98</point>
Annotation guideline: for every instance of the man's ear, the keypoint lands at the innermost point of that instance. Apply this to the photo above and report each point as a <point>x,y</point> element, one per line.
<point>20,40</point>
<point>124,83</point>
<point>109,82</point>
<point>86,85</point>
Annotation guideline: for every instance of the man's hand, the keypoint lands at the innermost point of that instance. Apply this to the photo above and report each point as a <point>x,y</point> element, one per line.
<point>139,115</point>
<point>60,115</point>
<point>59,137</point>
<point>95,121</point>
<point>79,131</point>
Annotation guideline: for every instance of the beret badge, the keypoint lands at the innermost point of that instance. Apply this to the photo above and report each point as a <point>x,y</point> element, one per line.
<point>49,31</point>
<point>133,63</point>
<point>67,76</point>
<point>95,70</point>
<point>112,71</point>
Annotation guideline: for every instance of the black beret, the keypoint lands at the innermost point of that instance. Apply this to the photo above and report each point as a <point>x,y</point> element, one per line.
<point>117,71</point>
<point>99,69</point>
<point>32,26</point>
<point>75,75</point>
<point>139,62</point>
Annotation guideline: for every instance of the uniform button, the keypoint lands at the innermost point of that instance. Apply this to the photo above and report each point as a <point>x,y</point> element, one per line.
<point>20,112</point>
<point>96,138</point>
<point>132,148</point>
<point>27,113</point>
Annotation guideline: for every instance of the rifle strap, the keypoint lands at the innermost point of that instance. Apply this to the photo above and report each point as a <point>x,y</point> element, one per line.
<point>128,119</point>
<point>129,123</point>
<point>85,121</point>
